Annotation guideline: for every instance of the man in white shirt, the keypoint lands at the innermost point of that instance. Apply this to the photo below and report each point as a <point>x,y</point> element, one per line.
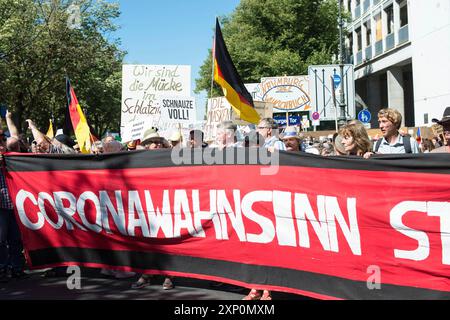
<point>268,128</point>
<point>226,135</point>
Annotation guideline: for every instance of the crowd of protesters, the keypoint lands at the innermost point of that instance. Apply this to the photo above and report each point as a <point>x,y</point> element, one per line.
<point>351,140</point>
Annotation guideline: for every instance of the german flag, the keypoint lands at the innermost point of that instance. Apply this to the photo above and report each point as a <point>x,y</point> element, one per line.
<point>226,75</point>
<point>79,123</point>
<point>50,132</point>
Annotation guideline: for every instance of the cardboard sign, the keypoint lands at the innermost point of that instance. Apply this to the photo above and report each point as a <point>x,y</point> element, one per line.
<point>143,85</point>
<point>219,109</point>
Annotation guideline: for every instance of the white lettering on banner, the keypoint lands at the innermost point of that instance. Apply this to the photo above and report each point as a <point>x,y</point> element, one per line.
<point>161,219</point>
<point>81,203</point>
<point>104,212</point>
<point>20,200</point>
<point>117,215</point>
<point>41,201</point>
<point>268,231</point>
<point>224,209</point>
<point>432,209</point>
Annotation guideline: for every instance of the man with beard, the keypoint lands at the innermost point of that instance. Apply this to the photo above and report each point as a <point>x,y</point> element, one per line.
<point>291,140</point>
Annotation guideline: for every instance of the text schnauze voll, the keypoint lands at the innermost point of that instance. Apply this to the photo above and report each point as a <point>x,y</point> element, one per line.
<point>180,211</point>
<point>178,109</point>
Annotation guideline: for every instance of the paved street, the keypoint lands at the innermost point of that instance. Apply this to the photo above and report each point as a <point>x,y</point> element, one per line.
<point>95,286</point>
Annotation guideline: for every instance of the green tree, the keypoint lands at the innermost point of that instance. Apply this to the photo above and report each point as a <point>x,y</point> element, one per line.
<point>277,37</point>
<point>42,42</point>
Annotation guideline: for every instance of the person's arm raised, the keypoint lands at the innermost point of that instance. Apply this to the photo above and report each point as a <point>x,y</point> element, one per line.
<point>13,131</point>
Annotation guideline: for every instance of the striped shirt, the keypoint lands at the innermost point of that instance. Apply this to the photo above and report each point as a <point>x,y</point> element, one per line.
<point>5,200</point>
<point>276,143</point>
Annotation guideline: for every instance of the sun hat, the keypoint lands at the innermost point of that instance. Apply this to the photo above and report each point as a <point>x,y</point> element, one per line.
<point>445,117</point>
<point>290,132</point>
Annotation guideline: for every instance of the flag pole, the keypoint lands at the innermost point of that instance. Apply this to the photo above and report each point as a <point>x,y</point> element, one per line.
<point>212,60</point>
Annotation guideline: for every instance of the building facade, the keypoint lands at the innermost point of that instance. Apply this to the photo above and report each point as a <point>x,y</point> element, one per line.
<point>401,53</point>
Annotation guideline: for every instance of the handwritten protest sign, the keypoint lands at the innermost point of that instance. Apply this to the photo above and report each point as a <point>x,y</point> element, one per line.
<point>219,109</point>
<point>143,85</point>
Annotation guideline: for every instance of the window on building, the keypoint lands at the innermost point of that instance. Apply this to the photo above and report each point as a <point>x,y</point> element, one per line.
<point>403,14</point>
<point>390,19</point>
<point>358,2</point>
<point>368,28</point>
<point>350,45</point>
<point>359,39</point>
<point>379,28</point>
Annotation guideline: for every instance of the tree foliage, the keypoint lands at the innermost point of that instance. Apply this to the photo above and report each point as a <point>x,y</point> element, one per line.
<point>40,46</point>
<point>277,37</point>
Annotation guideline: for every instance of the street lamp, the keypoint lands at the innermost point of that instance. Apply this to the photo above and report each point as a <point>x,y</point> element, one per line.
<point>343,116</point>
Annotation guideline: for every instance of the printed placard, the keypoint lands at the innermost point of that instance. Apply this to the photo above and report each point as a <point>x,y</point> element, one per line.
<point>178,110</point>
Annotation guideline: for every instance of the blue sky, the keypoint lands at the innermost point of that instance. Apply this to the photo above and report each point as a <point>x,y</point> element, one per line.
<point>173,32</point>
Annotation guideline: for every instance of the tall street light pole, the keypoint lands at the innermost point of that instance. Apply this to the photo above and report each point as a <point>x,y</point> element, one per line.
<point>343,116</point>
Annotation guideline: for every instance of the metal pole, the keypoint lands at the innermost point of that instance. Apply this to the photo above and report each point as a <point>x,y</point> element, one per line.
<point>343,116</point>
<point>213,53</point>
<point>334,103</point>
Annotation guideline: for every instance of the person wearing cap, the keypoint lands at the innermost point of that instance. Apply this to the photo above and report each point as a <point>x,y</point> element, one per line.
<point>175,140</point>
<point>291,140</point>
<point>152,140</point>
<point>445,123</point>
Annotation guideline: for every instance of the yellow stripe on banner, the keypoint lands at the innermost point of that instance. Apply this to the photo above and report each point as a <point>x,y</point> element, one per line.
<point>83,133</point>
<point>244,111</point>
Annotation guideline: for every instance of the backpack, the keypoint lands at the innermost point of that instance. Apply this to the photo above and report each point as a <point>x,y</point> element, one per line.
<point>406,143</point>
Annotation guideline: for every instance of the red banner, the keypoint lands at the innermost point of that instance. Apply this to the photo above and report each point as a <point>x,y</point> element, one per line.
<point>322,227</point>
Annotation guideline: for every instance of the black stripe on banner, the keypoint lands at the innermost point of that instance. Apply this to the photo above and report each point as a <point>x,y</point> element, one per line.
<point>424,163</point>
<point>251,274</point>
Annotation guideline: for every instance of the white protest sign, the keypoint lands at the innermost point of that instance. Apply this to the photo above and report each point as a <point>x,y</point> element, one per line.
<point>178,110</point>
<point>136,129</point>
<point>219,109</point>
<point>142,85</point>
